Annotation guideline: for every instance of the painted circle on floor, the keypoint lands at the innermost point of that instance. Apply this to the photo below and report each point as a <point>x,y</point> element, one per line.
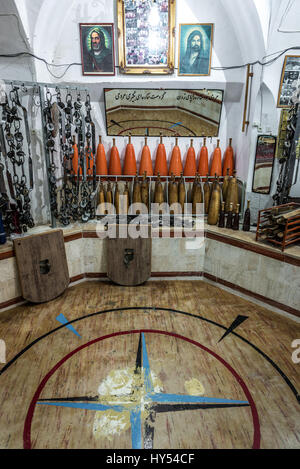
<point>151,395</point>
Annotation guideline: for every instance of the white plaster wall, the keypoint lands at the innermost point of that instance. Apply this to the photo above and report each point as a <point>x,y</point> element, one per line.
<point>95,259</point>
<point>177,255</point>
<point>264,8</point>
<point>245,31</point>
<point>75,257</point>
<point>234,24</point>
<point>279,41</point>
<point>260,274</point>
<point>62,44</point>
<point>9,280</point>
<point>30,9</point>
<point>13,38</point>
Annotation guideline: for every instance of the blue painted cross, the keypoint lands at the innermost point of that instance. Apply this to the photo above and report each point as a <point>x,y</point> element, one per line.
<point>153,401</point>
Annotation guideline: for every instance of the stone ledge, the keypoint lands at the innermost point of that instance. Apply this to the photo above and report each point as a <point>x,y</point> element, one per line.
<point>240,239</point>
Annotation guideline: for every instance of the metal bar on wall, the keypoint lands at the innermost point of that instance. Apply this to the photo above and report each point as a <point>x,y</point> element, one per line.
<point>47,156</point>
<point>249,77</point>
<point>71,87</point>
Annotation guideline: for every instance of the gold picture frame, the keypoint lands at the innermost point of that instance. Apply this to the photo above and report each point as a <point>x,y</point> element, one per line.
<point>290,81</point>
<point>146,47</point>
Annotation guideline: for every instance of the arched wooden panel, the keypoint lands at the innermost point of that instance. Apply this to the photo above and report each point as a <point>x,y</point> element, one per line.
<point>129,260</point>
<point>42,265</point>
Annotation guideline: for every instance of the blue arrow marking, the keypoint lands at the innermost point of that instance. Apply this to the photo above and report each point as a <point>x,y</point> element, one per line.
<point>178,123</point>
<point>147,377</point>
<point>159,397</point>
<point>84,406</point>
<point>136,428</point>
<point>61,318</point>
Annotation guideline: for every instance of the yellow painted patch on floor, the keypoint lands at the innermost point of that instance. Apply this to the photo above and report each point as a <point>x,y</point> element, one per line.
<point>118,383</point>
<point>125,388</point>
<point>109,423</point>
<point>194,387</point>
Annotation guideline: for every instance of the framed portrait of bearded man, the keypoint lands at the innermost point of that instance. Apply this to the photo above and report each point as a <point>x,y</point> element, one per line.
<point>195,49</point>
<point>97,48</point>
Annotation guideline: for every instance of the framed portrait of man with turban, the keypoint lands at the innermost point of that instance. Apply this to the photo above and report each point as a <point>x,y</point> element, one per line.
<point>97,48</point>
<point>195,48</point>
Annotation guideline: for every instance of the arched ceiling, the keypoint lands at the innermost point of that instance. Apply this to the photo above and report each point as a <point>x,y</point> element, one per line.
<point>13,39</point>
<point>264,8</point>
<point>49,29</point>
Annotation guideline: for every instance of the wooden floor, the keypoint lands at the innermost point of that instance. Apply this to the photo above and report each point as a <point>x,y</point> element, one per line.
<point>148,371</point>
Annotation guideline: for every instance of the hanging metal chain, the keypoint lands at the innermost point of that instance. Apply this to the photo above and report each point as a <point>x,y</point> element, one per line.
<point>50,148</point>
<point>84,188</point>
<point>91,154</point>
<point>28,138</point>
<point>12,136</point>
<point>74,198</point>
<point>70,207</point>
<point>25,217</point>
<point>66,152</point>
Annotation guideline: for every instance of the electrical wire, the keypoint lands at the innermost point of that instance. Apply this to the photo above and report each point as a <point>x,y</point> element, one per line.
<point>233,67</point>
<point>20,54</point>
<point>263,64</point>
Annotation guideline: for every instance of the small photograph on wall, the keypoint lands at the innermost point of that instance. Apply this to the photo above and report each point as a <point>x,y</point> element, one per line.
<point>97,48</point>
<point>195,48</point>
<point>290,81</point>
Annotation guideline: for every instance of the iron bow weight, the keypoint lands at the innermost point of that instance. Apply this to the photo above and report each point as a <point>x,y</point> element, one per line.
<point>16,156</point>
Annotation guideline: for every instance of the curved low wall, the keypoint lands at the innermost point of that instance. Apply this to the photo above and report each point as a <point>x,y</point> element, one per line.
<point>229,258</point>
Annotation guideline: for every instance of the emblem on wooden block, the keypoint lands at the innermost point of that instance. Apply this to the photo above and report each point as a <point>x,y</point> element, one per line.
<point>128,257</point>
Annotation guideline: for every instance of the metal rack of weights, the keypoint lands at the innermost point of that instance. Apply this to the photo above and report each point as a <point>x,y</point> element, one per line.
<point>189,179</point>
<point>150,178</point>
<point>44,91</point>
